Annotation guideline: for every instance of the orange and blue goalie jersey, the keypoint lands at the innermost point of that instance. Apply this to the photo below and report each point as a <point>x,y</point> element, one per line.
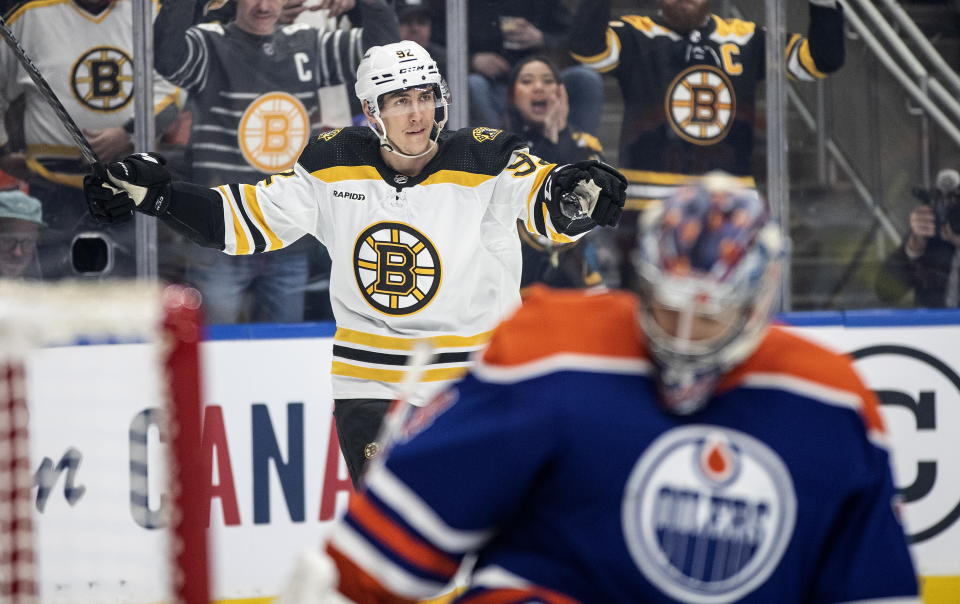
<point>690,98</point>
<point>554,464</point>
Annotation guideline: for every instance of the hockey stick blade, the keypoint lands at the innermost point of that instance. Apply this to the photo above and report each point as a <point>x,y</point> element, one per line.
<point>89,155</point>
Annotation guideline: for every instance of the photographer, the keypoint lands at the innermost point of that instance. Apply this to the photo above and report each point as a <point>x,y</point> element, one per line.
<point>928,261</point>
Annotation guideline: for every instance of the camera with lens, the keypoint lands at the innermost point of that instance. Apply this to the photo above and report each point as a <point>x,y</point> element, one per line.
<point>944,198</point>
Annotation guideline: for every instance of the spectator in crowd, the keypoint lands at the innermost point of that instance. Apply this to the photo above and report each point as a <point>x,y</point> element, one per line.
<point>416,24</point>
<point>537,110</point>
<point>419,223</point>
<point>680,481</point>
<point>501,32</point>
<point>20,224</point>
<point>927,263</point>
<point>84,49</point>
<point>254,98</point>
<point>689,84</point>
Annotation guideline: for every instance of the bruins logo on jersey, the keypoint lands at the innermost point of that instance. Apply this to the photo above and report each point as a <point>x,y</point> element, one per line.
<point>328,135</point>
<point>273,131</point>
<point>102,79</point>
<point>485,134</point>
<point>701,104</point>
<point>397,268</point>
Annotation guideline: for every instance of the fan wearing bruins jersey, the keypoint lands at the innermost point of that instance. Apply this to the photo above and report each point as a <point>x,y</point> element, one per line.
<point>689,81</point>
<point>254,90</point>
<point>84,50</point>
<point>420,225</point>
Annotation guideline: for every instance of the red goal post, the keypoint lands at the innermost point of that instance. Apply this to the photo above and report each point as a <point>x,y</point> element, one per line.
<point>164,556</point>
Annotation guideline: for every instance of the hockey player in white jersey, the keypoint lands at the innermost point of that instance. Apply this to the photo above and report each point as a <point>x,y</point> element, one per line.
<point>420,225</point>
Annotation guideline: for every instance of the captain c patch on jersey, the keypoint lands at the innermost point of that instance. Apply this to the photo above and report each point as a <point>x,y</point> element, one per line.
<point>707,513</point>
<point>397,268</point>
<point>102,79</point>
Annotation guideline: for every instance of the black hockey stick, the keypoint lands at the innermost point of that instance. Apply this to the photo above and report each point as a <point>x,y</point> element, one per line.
<point>51,97</point>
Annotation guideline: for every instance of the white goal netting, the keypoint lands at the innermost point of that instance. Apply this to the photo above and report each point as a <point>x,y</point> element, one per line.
<point>96,478</point>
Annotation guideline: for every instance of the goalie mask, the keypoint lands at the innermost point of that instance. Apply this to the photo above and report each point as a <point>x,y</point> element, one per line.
<point>395,68</point>
<point>708,265</point>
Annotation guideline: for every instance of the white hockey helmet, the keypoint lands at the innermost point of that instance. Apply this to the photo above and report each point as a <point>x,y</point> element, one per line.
<point>708,262</point>
<point>395,67</point>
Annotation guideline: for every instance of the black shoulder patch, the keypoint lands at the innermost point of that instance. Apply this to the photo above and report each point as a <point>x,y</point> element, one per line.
<point>350,146</point>
<point>477,150</point>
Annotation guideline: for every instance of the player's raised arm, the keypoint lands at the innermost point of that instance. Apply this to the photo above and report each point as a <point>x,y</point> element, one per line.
<point>822,51</point>
<point>563,202</point>
<point>238,219</point>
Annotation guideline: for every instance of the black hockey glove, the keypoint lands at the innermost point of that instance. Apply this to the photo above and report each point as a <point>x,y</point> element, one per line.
<point>141,177</point>
<point>587,188</point>
<point>106,203</point>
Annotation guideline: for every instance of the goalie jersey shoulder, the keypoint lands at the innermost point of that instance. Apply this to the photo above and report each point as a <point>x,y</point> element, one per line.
<point>568,329</point>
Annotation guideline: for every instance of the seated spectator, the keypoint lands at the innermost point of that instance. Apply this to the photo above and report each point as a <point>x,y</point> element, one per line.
<point>501,33</point>
<point>927,263</point>
<point>537,111</point>
<point>20,224</point>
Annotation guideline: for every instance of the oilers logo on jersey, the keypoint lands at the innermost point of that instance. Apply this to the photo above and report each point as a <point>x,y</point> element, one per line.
<point>102,79</point>
<point>397,268</point>
<point>708,513</point>
<point>701,104</point>
<point>273,131</point>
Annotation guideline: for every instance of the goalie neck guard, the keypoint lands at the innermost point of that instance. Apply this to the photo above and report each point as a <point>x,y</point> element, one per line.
<point>708,264</point>
<point>393,68</point>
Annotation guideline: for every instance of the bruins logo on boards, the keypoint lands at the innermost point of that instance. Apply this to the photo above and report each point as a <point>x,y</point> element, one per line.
<point>701,104</point>
<point>485,134</point>
<point>273,131</point>
<point>102,79</point>
<point>329,134</point>
<point>397,268</point>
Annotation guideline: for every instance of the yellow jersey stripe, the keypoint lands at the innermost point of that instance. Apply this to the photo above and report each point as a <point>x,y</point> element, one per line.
<point>393,343</point>
<point>733,27</point>
<point>640,22</point>
<point>456,177</point>
<point>531,196</point>
<point>60,178</point>
<point>612,42</point>
<point>25,7</point>
<point>806,59</point>
<point>671,178</point>
<point>395,376</point>
<point>250,197</point>
<point>60,151</point>
<point>242,244</point>
<point>341,173</point>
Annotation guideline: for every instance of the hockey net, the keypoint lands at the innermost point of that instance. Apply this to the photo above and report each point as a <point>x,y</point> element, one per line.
<point>99,444</point>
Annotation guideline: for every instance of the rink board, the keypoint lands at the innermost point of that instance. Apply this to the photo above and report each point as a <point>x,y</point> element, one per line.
<point>279,479</point>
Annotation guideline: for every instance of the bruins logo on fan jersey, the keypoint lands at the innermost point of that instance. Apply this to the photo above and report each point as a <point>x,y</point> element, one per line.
<point>397,268</point>
<point>102,79</point>
<point>485,134</point>
<point>700,105</point>
<point>273,131</point>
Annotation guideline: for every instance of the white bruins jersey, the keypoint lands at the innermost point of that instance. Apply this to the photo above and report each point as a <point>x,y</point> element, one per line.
<point>87,60</point>
<point>434,256</point>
